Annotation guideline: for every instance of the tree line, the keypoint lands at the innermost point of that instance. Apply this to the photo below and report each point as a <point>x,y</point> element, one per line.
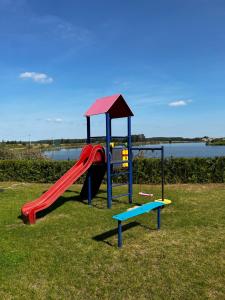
<point>135,138</point>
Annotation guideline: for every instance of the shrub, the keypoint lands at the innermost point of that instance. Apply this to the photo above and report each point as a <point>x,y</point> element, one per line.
<point>146,170</point>
<point>16,154</point>
<point>33,170</point>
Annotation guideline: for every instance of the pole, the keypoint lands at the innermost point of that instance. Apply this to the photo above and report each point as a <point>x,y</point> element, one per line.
<point>162,171</point>
<point>120,234</point>
<point>88,130</point>
<point>89,171</point>
<point>108,157</point>
<point>130,169</point>
<point>158,217</point>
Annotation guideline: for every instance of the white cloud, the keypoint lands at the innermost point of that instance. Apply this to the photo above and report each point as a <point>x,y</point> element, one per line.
<point>58,120</point>
<point>36,77</point>
<point>54,120</point>
<point>179,103</point>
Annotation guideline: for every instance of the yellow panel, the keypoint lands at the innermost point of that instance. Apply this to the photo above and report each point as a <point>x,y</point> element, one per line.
<point>125,165</point>
<point>125,158</point>
<point>125,152</point>
<point>112,144</point>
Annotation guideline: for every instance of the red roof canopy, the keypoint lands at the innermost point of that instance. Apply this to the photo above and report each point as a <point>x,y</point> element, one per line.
<point>115,105</point>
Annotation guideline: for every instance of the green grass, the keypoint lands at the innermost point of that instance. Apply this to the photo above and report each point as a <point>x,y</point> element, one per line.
<point>60,256</point>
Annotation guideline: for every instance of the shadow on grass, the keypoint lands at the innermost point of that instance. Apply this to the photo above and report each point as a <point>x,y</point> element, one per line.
<point>78,192</point>
<point>105,235</point>
<point>95,203</point>
<point>98,202</point>
<point>61,200</point>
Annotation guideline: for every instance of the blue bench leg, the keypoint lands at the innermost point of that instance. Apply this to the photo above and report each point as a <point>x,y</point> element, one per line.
<point>119,234</point>
<point>158,218</point>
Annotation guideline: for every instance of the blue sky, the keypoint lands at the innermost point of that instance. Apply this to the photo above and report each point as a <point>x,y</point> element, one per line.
<point>167,58</point>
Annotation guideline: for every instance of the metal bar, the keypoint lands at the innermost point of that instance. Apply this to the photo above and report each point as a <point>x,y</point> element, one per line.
<point>162,172</point>
<point>119,184</point>
<point>147,148</point>
<point>119,162</point>
<point>97,137</point>
<point>120,241</point>
<point>119,137</point>
<point>158,218</point>
<point>130,176</point>
<point>111,166</point>
<point>108,156</point>
<point>119,173</point>
<point>88,130</point>
<point>110,128</point>
<point>120,196</point>
<point>89,171</point>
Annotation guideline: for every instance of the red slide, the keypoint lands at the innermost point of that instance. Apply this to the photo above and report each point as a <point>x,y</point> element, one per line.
<point>90,154</point>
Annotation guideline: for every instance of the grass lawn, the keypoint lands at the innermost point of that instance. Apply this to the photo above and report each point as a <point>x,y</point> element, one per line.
<point>71,252</point>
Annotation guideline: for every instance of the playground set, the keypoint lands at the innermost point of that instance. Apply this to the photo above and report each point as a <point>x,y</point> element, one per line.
<point>96,161</point>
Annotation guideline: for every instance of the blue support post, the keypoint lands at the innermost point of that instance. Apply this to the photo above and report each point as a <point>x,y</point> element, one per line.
<point>89,171</point>
<point>162,172</point>
<point>110,128</point>
<point>158,217</point>
<point>130,169</point>
<point>108,157</point>
<point>120,234</point>
<point>88,130</point>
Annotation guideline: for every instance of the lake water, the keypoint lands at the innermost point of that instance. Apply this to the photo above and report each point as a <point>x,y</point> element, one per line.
<point>174,150</point>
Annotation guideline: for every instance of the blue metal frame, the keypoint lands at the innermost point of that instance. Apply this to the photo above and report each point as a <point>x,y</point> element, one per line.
<point>108,157</point>
<point>89,171</point>
<point>88,130</point>
<point>162,172</point>
<point>111,163</point>
<point>130,169</point>
<point>162,163</point>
